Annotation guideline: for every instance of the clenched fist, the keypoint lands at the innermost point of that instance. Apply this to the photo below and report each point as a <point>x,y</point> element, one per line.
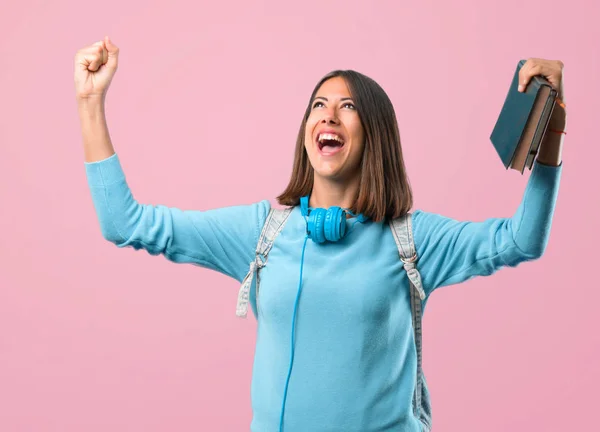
<point>95,66</point>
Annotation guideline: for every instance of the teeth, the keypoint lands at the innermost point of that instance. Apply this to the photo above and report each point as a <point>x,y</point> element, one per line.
<point>328,136</point>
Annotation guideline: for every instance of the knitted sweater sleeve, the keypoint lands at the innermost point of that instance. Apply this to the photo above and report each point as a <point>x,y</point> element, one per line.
<point>452,251</point>
<point>222,239</point>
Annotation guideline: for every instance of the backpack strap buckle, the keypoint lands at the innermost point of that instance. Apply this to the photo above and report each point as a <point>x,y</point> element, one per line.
<point>273,225</point>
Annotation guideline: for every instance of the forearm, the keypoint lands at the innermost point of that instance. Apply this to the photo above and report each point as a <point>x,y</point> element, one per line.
<point>531,223</point>
<point>550,152</point>
<point>96,138</point>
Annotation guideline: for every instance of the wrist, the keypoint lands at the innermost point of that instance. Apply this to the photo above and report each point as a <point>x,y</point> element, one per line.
<point>90,102</point>
<point>558,119</point>
<point>90,109</point>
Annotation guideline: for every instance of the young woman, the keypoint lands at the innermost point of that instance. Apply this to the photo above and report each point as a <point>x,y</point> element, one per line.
<point>351,336</point>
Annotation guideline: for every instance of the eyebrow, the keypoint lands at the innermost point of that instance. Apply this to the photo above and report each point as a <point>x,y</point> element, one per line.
<point>326,100</point>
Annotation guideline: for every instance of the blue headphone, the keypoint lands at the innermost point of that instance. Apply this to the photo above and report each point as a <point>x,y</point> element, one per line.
<point>326,224</point>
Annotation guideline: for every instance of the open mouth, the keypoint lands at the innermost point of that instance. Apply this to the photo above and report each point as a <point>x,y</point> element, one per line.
<point>330,143</point>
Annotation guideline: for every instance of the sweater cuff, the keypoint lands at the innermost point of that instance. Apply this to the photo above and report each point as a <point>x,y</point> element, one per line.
<point>544,177</point>
<point>546,171</point>
<point>104,172</point>
<point>537,163</point>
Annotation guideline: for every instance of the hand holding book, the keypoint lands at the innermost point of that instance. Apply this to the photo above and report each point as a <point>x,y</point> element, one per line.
<point>552,70</point>
<point>533,114</point>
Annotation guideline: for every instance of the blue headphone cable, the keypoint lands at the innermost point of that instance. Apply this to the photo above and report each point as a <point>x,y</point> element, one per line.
<point>287,381</point>
<point>305,209</point>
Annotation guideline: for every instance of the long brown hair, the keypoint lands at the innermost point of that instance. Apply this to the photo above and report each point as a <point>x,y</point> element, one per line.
<point>384,191</point>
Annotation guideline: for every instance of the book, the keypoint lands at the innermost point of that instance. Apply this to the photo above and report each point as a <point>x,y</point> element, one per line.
<point>523,120</point>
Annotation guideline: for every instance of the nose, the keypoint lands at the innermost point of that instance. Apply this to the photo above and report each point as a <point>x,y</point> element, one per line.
<point>330,118</point>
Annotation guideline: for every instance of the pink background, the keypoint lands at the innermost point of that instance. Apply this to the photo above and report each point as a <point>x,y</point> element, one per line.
<point>93,338</point>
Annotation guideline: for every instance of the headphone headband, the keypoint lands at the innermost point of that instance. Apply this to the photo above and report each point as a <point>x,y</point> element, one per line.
<point>304,205</point>
<point>304,210</point>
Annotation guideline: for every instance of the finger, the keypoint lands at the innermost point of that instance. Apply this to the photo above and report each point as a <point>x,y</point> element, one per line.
<point>92,59</point>
<point>532,67</point>
<point>522,75</point>
<point>112,53</point>
<point>103,52</point>
<point>561,90</point>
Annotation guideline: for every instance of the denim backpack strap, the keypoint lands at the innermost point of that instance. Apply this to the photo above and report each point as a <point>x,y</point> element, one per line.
<point>273,225</point>
<point>403,236</point>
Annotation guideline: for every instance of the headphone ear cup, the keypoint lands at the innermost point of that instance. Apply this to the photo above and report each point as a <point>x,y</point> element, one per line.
<point>335,224</point>
<point>316,221</point>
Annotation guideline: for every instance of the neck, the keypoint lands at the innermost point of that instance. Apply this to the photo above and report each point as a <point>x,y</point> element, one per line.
<point>328,193</point>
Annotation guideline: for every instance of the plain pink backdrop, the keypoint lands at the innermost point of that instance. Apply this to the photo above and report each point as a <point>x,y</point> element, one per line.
<point>94,338</point>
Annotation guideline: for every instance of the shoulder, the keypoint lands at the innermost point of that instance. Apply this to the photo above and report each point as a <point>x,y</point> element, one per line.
<point>427,222</point>
<point>260,209</point>
<point>254,212</point>
<point>242,220</point>
<point>429,228</point>
<point>257,210</point>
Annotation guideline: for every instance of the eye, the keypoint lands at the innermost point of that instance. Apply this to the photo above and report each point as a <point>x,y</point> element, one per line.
<point>351,105</point>
<point>317,103</point>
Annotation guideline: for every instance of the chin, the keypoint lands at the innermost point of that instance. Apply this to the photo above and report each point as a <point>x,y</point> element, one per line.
<point>329,174</point>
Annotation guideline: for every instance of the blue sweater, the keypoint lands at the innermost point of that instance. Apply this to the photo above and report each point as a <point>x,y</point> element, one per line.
<point>355,358</point>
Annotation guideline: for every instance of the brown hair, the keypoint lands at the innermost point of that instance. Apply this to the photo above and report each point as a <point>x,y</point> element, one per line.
<point>384,190</point>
